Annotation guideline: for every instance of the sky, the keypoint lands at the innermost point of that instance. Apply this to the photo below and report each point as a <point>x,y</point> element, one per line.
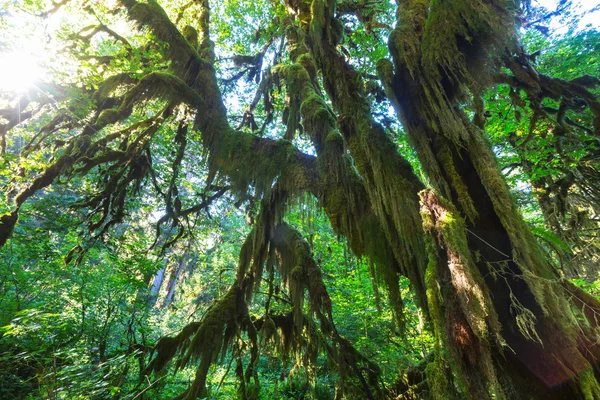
<point>591,18</point>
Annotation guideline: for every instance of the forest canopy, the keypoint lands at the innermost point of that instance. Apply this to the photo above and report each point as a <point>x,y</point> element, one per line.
<point>299,199</point>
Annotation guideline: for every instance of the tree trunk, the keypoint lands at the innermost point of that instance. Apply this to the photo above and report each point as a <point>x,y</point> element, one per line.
<point>174,278</point>
<point>156,285</point>
<point>520,337</point>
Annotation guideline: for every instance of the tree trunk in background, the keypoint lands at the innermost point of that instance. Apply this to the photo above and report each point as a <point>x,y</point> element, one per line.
<point>174,278</point>
<point>156,285</point>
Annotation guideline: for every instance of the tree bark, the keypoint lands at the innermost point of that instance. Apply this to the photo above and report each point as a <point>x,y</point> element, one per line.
<point>535,348</point>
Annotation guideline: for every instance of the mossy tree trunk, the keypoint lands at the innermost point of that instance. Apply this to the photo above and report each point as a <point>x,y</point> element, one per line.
<point>532,345</point>
<point>507,325</point>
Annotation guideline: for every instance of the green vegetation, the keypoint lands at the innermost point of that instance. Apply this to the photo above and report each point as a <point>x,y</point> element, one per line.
<point>299,200</point>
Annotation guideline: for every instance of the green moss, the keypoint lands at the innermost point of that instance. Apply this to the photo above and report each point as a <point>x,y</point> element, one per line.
<point>473,296</point>
<point>110,84</point>
<point>436,379</point>
<point>536,270</point>
<point>107,117</point>
<point>181,52</point>
<point>447,165</point>
<point>334,136</point>
<point>405,40</point>
<point>588,385</point>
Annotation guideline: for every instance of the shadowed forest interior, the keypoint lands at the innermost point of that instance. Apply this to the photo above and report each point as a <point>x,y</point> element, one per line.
<point>299,199</point>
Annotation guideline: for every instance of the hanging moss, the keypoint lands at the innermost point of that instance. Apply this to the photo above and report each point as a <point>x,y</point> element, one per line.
<point>167,347</point>
<point>343,195</point>
<point>321,125</point>
<point>389,181</point>
<point>301,274</point>
<point>111,84</point>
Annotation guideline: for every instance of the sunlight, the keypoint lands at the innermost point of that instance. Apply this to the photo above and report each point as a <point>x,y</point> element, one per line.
<point>18,71</point>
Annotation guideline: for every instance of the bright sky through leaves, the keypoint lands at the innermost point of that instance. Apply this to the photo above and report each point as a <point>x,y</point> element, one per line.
<point>18,71</point>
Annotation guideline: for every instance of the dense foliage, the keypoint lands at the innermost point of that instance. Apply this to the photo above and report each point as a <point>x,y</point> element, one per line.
<point>299,199</point>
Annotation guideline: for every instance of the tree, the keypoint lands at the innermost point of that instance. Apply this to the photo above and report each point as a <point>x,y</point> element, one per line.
<point>506,324</point>
<point>557,157</point>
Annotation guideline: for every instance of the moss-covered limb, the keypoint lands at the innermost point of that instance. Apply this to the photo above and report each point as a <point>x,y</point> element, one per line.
<point>244,158</point>
<point>7,224</point>
<point>528,307</point>
<point>431,379</point>
<point>525,250</point>
<point>206,46</point>
<point>131,130</point>
<point>124,176</point>
<point>575,95</point>
<point>411,383</point>
<point>166,348</point>
<point>215,334</point>
<point>82,150</point>
<point>86,34</point>
<point>185,60</point>
<point>247,159</point>
<point>588,304</point>
<point>184,213</point>
<point>224,320</point>
<point>173,204</point>
<point>205,340</point>
<point>560,201</point>
<point>111,84</point>
<point>390,183</point>
<point>447,47</point>
<point>341,192</point>
<point>61,120</point>
<point>405,39</point>
<point>9,220</point>
<point>446,164</point>
<point>482,365</point>
<point>151,86</point>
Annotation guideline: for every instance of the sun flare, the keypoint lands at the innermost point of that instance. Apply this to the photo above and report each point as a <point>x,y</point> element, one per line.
<point>18,71</point>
